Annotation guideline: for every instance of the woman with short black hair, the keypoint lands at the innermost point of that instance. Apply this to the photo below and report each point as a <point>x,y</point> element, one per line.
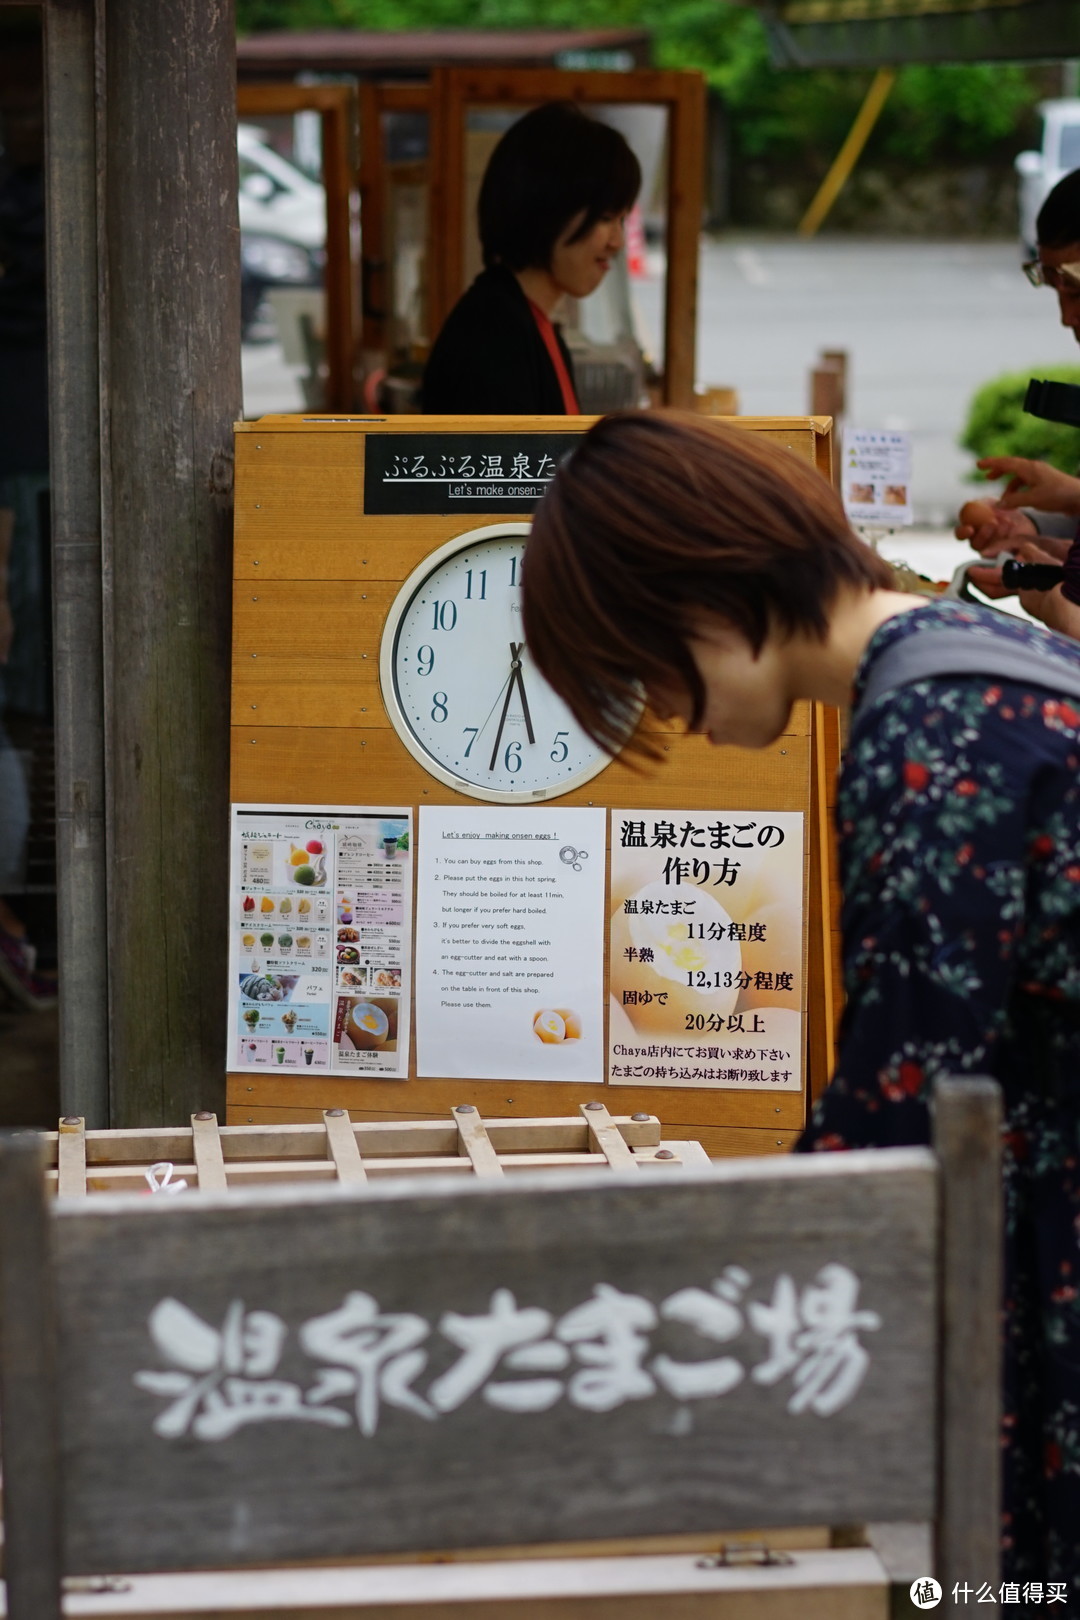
<point>551,210</point>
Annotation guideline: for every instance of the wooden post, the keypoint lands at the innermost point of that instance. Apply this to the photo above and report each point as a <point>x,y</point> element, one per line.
<point>29,1445</point>
<point>967,1139</point>
<point>686,180</point>
<point>75,479</point>
<point>170,393</point>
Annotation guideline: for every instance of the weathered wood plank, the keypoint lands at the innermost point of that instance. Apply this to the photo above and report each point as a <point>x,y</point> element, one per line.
<point>605,1136</point>
<point>816,1585</point>
<point>206,1145</point>
<point>619,1461</point>
<point>29,1442</point>
<point>681,1111</point>
<point>171,391</point>
<point>475,1143</point>
<point>967,1139</point>
<point>341,1146</point>
<point>71,1158</point>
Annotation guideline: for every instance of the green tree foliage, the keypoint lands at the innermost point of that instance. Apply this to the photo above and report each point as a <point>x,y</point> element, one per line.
<point>997,424</point>
<point>935,113</point>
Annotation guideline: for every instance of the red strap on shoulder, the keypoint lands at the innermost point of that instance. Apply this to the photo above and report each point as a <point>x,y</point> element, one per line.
<point>551,344</point>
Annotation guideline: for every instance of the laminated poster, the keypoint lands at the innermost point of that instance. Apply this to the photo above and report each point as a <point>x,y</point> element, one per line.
<point>706,975</point>
<point>510,944</point>
<point>877,478</point>
<point>320,940</point>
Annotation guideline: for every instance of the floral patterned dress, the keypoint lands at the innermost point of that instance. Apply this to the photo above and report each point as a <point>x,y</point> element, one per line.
<point>959,820</point>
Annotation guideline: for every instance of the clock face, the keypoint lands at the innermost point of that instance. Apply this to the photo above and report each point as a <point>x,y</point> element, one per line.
<point>460,687</point>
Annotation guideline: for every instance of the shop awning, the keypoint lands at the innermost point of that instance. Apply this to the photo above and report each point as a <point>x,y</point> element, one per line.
<point>886,33</point>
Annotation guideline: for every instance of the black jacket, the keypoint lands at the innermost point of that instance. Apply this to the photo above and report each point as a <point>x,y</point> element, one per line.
<point>489,359</point>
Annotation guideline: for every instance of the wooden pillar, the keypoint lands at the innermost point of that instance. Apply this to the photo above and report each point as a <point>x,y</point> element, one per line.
<point>170,390</point>
<point>75,479</point>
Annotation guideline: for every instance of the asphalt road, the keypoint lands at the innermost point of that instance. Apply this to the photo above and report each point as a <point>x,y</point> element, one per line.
<point>924,323</point>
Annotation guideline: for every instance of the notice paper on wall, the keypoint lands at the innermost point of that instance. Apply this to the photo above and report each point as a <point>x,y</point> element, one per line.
<point>320,939</point>
<point>510,944</point>
<point>876,480</point>
<point>706,920</point>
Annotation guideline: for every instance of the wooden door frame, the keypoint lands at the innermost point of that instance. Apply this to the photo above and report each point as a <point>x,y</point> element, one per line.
<point>681,94</point>
<point>375,282</point>
<point>336,106</point>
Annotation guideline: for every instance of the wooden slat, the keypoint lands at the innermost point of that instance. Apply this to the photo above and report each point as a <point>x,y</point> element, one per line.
<point>474,1142</point>
<point>967,1140</point>
<point>606,1136</point>
<point>817,1585</point>
<point>71,1158</point>
<point>682,1111</point>
<point>30,1441</point>
<point>206,1143</point>
<point>341,1145</point>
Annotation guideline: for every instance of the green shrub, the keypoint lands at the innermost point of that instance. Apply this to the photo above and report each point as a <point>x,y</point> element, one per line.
<point>997,424</point>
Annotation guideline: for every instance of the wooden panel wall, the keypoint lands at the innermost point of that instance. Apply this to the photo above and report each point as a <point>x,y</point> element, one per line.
<point>314,580</point>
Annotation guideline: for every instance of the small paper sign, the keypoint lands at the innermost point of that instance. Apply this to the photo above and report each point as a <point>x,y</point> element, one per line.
<point>877,478</point>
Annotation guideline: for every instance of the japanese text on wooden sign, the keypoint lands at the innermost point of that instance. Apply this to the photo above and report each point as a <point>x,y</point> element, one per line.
<point>437,473</point>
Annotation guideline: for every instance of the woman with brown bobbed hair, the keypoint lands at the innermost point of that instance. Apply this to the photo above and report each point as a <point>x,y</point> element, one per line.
<point>716,575</point>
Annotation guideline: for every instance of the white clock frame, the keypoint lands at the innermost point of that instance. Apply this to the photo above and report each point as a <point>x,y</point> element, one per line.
<point>387,650</point>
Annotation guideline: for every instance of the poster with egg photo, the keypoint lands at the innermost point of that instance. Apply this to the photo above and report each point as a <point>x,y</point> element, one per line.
<point>706,919</point>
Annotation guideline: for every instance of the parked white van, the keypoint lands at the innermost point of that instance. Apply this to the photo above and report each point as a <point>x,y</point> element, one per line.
<point>282,224</point>
<point>1040,171</point>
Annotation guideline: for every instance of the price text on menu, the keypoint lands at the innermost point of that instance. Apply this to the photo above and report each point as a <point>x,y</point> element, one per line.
<point>320,940</point>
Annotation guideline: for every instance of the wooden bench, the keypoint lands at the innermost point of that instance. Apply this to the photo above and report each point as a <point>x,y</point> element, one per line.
<point>307,1375</point>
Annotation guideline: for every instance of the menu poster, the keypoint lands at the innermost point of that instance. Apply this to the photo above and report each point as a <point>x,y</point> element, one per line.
<point>510,944</point>
<point>877,478</point>
<point>320,939</point>
<point>706,976</point>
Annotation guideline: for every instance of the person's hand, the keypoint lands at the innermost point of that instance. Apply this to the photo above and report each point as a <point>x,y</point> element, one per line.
<point>1034,483</point>
<point>1048,550</point>
<point>1054,610</point>
<point>989,527</point>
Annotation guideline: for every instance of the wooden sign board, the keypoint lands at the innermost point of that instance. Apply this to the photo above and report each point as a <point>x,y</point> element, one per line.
<point>317,570</point>
<point>319,1373</point>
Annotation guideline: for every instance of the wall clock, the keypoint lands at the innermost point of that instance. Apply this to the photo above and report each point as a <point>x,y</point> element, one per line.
<point>458,683</point>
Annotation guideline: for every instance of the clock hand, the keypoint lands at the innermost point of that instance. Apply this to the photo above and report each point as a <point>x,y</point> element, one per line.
<point>520,677</point>
<point>515,669</point>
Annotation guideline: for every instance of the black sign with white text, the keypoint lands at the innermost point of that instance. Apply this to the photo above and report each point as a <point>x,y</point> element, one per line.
<point>440,473</point>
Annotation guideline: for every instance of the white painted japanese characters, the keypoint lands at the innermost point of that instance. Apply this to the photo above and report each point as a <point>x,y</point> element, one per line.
<point>597,1356</point>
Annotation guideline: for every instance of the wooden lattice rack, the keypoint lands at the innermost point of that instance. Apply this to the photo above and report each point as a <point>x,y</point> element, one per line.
<point>212,1158</point>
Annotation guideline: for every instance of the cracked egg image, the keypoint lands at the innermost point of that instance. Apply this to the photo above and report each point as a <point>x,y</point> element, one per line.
<point>553,1026</point>
<point>674,955</point>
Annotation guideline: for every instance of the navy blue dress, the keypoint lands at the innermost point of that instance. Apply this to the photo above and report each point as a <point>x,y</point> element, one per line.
<point>959,823</point>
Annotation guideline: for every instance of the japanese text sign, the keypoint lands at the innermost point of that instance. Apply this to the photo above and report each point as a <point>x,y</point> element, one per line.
<point>433,473</point>
<point>877,477</point>
<point>706,932</point>
<point>510,1361</point>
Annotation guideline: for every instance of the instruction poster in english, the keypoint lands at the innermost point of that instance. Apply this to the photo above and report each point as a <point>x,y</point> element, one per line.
<point>706,949</point>
<point>320,940</point>
<point>510,944</point>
